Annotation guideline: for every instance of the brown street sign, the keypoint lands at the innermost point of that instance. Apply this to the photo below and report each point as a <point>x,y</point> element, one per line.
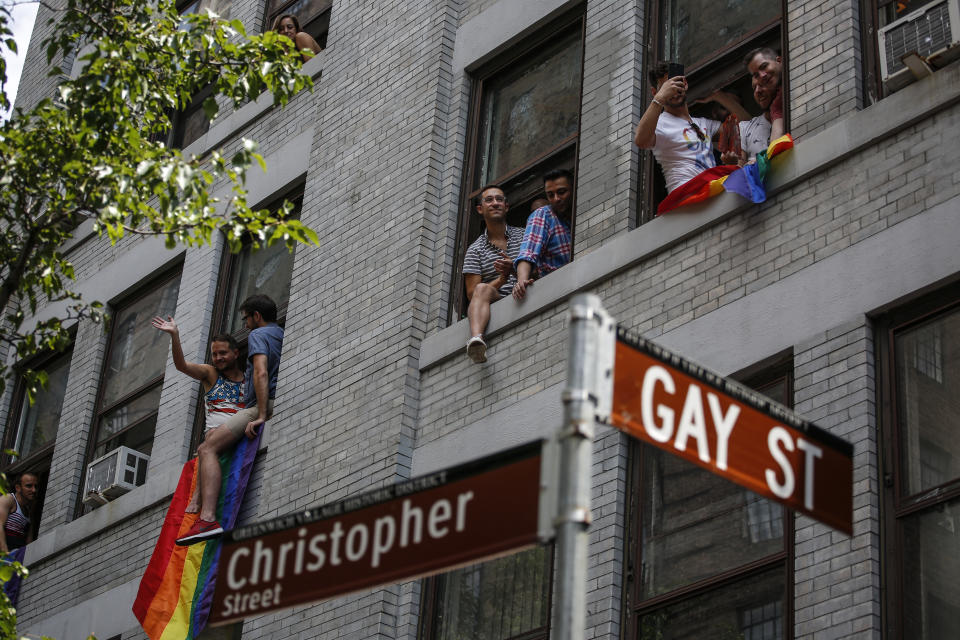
<point>726,428</point>
<point>414,528</point>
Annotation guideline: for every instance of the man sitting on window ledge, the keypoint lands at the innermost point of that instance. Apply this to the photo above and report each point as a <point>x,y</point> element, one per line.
<point>488,266</point>
<point>546,238</point>
<point>680,143</point>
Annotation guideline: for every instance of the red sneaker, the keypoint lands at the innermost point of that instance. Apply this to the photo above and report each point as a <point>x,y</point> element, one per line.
<point>200,531</point>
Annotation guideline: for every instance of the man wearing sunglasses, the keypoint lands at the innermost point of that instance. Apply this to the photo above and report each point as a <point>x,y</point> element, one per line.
<point>680,143</point>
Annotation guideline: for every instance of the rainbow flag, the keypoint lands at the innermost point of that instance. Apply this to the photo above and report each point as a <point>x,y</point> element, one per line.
<point>12,585</point>
<point>176,590</point>
<point>747,181</point>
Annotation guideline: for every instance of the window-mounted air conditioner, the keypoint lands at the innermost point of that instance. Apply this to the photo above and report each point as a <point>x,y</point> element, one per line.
<point>114,474</point>
<point>932,31</point>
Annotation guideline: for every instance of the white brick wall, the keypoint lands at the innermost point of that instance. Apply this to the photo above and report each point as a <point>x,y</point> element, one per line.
<point>388,121</point>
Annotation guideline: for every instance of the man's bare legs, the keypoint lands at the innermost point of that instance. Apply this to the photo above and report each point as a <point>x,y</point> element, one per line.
<point>217,441</point>
<point>479,310</point>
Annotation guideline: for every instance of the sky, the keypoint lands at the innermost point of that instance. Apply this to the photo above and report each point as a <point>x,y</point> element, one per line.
<point>24,14</point>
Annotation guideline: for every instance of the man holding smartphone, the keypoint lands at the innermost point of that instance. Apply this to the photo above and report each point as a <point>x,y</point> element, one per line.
<point>680,143</point>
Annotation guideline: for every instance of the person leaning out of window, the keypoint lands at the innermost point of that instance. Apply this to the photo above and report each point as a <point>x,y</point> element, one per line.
<point>288,25</point>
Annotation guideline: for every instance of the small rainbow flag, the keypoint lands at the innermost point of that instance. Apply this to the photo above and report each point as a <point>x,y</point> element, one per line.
<point>748,181</point>
<point>176,590</point>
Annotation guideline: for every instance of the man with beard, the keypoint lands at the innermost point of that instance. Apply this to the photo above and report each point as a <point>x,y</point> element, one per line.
<point>222,381</point>
<point>764,66</point>
<point>15,513</point>
<point>680,143</point>
<point>546,238</point>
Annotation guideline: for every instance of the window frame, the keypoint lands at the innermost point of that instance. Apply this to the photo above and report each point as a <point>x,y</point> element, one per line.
<point>760,375</point>
<point>896,507</point>
<point>469,225</point>
<point>37,462</point>
<point>229,263</point>
<point>137,293</point>
<point>651,183</point>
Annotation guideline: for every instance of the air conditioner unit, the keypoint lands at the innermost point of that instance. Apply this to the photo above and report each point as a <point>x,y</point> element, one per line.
<point>114,474</point>
<point>932,31</point>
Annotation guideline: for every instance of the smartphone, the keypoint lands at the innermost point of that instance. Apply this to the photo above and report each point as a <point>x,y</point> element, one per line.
<point>674,69</point>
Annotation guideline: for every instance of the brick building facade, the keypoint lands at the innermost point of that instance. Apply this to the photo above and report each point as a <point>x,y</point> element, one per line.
<point>839,296</point>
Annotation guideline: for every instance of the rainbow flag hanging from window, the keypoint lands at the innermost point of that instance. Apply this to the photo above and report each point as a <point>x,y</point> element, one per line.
<point>176,590</point>
<point>749,181</point>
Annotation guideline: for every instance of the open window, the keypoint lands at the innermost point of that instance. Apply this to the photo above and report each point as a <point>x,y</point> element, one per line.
<point>524,122</point>
<point>128,399</point>
<point>264,271</point>
<point>708,558</point>
<point>710,39</point>
<point>313,16</point>
<point>32,428</point>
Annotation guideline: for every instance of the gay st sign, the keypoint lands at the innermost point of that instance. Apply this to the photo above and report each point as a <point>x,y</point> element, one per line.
<point>728,429</point>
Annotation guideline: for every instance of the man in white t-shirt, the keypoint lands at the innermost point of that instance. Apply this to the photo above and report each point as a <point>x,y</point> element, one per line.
<point>680,143</point>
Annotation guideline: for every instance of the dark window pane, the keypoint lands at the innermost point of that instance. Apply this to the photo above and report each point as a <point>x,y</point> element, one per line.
<point>39,421</point>
<point>138,352</point>
<point>128,413</point>
<point>305,10</point>
<point>139,437</point>
<point>498,599</point>
<point>265,271</point>
<point>931,566</point>
<point>530,108</point>
<point>750,609</point>
<point>927,369</point>
<point>693,30</point>
<point>191,124</point>
<point>697,525</point>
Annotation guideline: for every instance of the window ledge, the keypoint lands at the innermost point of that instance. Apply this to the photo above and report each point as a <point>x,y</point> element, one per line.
<point>809,157</point>
<point>222,129</point>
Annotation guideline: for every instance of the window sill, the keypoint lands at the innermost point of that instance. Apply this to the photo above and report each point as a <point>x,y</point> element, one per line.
<point>809,157</point>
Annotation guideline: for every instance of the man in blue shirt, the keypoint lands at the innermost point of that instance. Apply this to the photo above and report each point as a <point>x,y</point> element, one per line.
<point>263,362</point>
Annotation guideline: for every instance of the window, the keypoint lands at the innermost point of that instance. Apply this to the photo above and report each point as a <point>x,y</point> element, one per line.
<point>129,395</point>
<point>504,598</point>
<point>712,560</point>
<point>525,122</point>
<point>313,16</point>
<point>919,358</point>
<point>191,122</point>
<point>267,271</point>
<point>32,428</point>
<point>710,39</point>
<point>923,38</point>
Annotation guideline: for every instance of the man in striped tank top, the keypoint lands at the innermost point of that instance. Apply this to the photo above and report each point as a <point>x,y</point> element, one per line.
<point>223,381</point>
<point>14,513</point>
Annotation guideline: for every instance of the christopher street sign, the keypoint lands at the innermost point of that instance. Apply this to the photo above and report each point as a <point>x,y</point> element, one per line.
<point>414,528</point>
<point>728,429</point>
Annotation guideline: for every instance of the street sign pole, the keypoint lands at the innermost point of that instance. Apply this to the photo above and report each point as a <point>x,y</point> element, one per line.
<point>585,399</point>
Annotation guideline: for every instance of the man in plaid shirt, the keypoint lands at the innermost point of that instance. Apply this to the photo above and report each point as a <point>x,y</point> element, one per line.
<point>546,238</point>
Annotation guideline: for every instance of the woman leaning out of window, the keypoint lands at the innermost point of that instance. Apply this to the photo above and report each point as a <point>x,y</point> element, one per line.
<point>288,25</point>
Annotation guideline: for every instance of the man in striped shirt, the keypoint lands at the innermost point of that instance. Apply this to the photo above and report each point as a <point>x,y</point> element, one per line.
<point>488,266</point>
<point>15,513</point>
